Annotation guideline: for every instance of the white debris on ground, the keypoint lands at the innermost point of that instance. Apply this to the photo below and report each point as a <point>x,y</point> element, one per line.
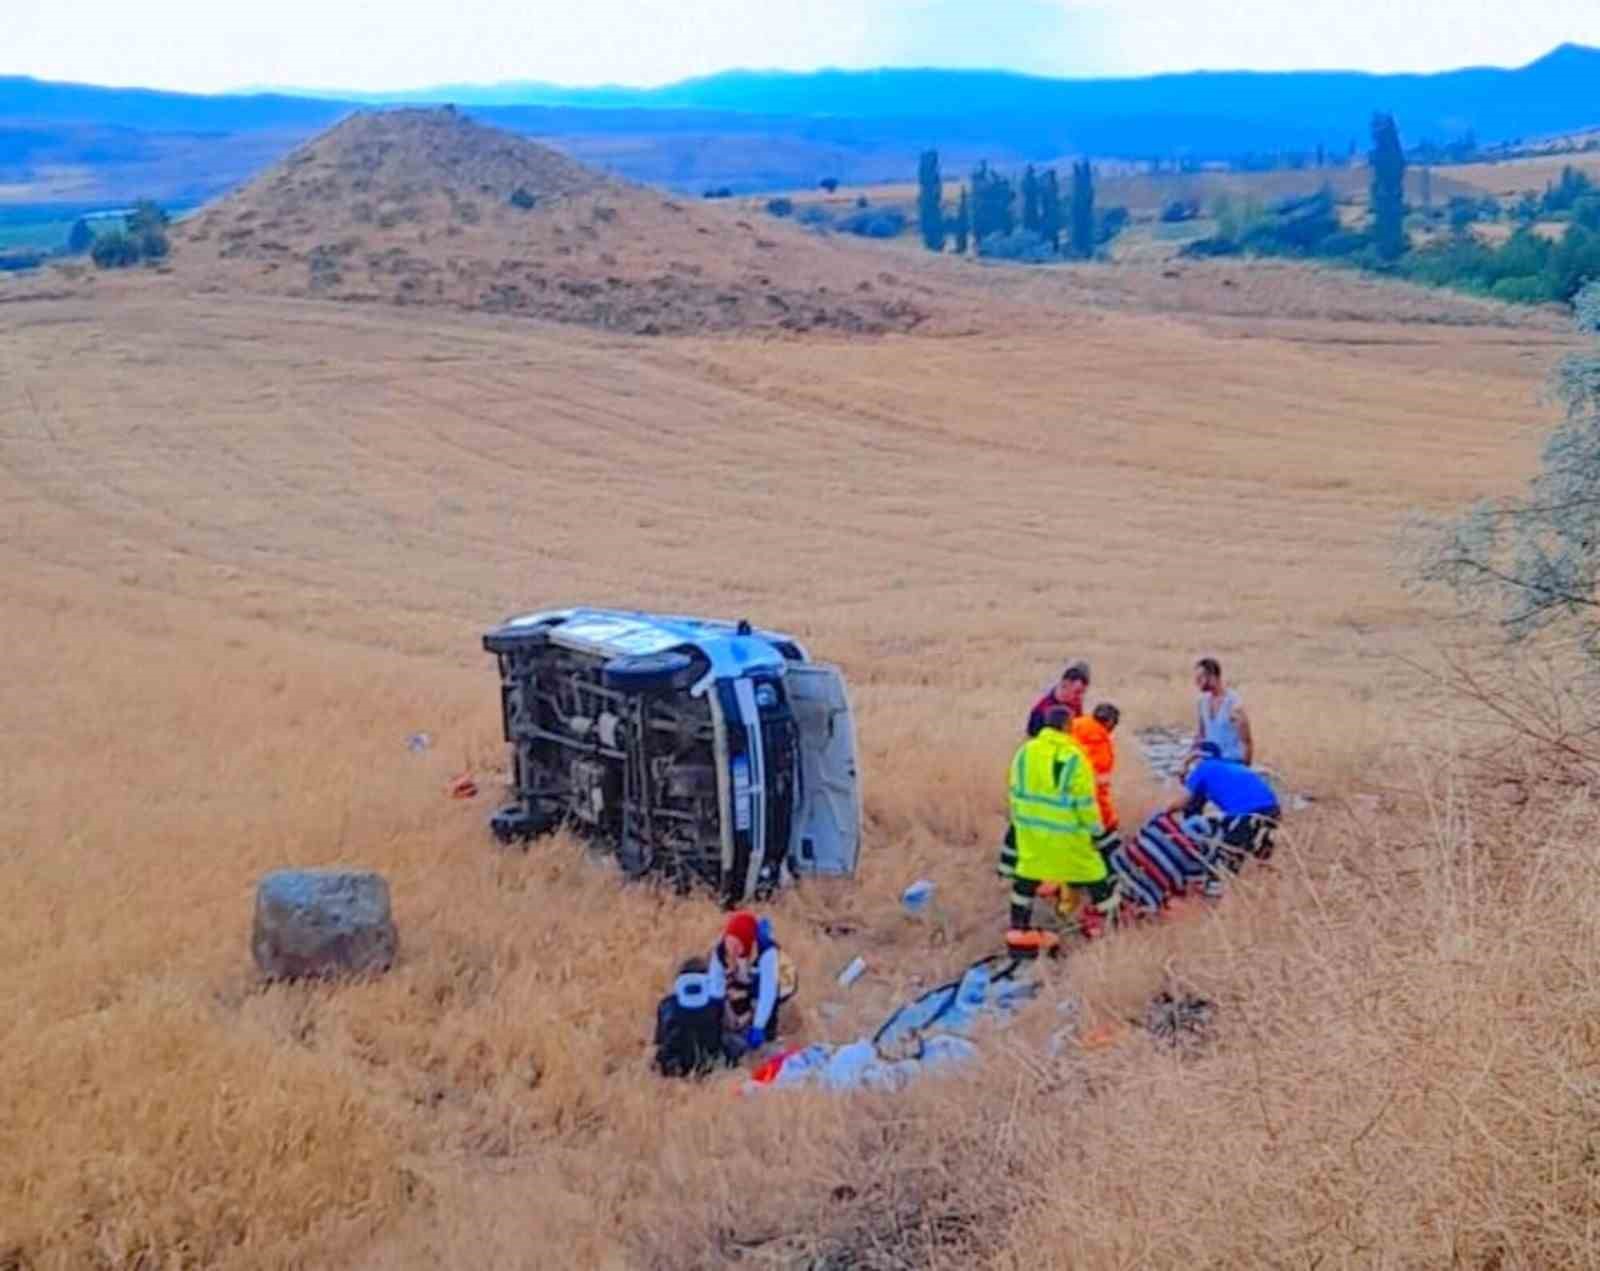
<point>1165,750</point>
<point>932,1031</point>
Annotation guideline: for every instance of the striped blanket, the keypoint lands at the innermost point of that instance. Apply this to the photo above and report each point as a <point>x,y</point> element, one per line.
<point>1172,855</point>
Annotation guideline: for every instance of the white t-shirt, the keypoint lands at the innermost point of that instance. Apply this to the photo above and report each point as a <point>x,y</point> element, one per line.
<point>1217,725</point>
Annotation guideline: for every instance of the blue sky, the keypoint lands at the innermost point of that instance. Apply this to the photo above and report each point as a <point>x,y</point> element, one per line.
<point>394,44</point>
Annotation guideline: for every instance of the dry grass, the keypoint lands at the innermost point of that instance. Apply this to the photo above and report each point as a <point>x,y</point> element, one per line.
<point>414,207</point>
<point>1406,1076</point>
<point>1519,176</point>
<point>249,546</point>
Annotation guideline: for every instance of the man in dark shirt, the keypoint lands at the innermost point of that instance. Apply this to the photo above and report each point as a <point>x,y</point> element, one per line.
<point>1068,691</point>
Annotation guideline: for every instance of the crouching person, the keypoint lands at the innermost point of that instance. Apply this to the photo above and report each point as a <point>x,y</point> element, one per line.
<point>753,978</point>
<point>1237,809</point>
<point>1055,824</point>
<point>689,1020</point>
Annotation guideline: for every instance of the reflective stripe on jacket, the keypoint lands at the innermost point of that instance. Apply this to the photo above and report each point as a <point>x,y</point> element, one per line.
<point>1054,812</point>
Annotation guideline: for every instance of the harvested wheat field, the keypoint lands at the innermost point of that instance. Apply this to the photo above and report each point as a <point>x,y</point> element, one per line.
<point>251,541</point>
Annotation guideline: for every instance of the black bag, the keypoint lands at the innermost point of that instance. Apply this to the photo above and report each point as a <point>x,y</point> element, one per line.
<point>688,1039</point>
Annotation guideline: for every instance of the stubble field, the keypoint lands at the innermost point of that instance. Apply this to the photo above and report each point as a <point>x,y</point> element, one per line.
<point>249,547</point>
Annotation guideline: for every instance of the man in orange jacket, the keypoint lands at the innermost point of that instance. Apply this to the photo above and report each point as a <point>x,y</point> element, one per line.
<point>1093,733</point>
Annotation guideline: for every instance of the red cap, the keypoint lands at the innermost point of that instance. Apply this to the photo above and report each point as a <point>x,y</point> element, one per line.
<point>742,927</point>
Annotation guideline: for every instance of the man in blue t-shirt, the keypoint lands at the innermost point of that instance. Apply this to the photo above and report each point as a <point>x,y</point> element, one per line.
<point>1247,807</point>
<point>1235,788</point>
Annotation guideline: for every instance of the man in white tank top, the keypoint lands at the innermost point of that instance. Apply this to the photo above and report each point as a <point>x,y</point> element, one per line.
<point>1220,716</point>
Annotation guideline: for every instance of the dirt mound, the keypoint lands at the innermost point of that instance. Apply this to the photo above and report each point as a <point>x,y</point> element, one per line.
<point>427,207</point>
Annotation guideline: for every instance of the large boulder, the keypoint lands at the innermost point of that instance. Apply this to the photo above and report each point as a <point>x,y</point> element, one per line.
<point>322,922</point>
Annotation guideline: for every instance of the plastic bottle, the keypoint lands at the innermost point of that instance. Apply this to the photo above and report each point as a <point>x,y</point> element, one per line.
<point>917,897</point>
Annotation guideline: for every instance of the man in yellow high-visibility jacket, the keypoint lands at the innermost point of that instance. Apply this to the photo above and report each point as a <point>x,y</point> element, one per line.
<point>1055,820</point>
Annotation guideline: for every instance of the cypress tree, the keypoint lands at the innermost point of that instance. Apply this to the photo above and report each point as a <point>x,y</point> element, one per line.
<point>930,201</point>
<point>1082,210</point>
<point>1388,188</point>
<point>1030,200</point>
<point>1050,209</point>
<point>980,203</point>
<point>992,199</point>
<point>963,223</point>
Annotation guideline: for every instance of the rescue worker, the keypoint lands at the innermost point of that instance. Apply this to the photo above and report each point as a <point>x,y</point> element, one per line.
<point>1068,691</point>
<point>1093,733</point>
<point>1055,821</point>
<point>1220,716</point>
<point>746,974</point>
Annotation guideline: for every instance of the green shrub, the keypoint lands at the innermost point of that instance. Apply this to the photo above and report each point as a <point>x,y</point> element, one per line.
<point>887,222</point>
<point>1024,245</point>
<point>1523,291</point>
<point>115,250</point>
<point>143,236</point>
<point>1235,217</point>
<point>1112,222</point>
<point>152,244</point>
<point>146,218</point>
<point>1205,248</point>
<point>1563,195</point>
<point>1343,243</point>
<point>1572,262</point>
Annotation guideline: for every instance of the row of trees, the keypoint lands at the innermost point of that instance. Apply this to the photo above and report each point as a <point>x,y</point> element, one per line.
<point>1529,267</point>
<point>1463,149</point>
<point>987,214</point>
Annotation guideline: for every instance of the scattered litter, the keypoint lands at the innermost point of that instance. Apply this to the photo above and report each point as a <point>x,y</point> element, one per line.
<point>1100,1038</point>
<point>419,742</point>
<point>464,787</point>
<point>1165,750</point>
<point>853,972</point>
<point>918,902</point>
<point>1068,1034</point>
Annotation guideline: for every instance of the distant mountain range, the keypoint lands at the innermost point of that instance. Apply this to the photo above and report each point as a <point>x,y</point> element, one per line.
<point>1219,112</point>
<point>758,129</point>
